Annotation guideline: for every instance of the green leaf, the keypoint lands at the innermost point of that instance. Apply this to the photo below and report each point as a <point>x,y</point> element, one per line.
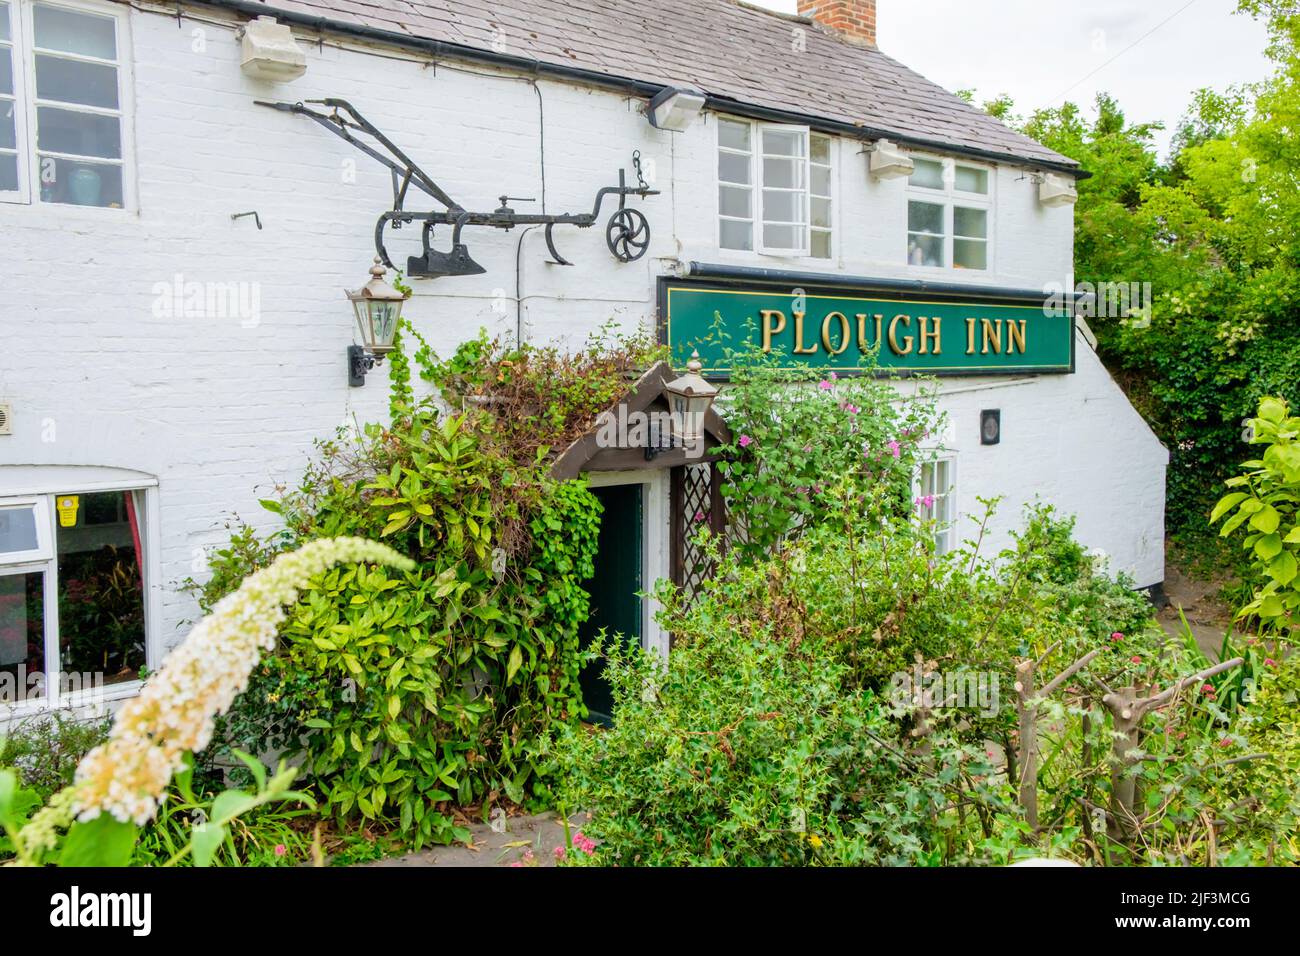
<point>1266,519</point>
<point>513,665</point>
<point>1268,546</point>
<point>1272,410</point>
<point>1282,569</point>
<point>205,841</point>
<point>103,841</point>
<point>270,505</point>
<point>1226,503</point>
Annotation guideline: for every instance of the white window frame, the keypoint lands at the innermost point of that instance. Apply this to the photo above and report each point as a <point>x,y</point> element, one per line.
<point>757,216</point>
<point>945,537</point>
<point>951,198</point>
<point>44,549</point>
<point>29,166</point>
<point>54,698</point>
<point>17,51</point>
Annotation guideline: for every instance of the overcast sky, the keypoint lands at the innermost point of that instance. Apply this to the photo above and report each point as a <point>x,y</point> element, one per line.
<point>1042,51</point>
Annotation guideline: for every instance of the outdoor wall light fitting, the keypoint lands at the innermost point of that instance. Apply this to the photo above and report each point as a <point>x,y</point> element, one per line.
<point>377,308</point>
<point>675,108</point>
<point>1055,190</point>
<point>269,52</point>
<point>887,161</point>
<point>990,426</point>
<point>689,399</point>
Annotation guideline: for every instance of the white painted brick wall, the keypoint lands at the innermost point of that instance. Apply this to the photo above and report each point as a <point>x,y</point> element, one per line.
<point>219,412</point>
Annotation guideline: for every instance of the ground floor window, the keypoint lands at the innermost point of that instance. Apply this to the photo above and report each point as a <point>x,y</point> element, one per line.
<point>72,593</point>
<point>935,486</point>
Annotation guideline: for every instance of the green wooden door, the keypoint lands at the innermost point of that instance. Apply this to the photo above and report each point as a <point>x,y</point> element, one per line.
<point>615,605</point>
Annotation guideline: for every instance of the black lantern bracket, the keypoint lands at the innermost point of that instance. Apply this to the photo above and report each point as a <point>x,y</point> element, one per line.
<point>359,363</point>
<point>627,234</point>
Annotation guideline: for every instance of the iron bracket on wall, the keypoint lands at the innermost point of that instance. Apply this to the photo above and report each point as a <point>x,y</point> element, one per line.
<point>627,233</point>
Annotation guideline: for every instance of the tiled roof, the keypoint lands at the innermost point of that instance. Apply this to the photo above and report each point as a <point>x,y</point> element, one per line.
<point>730,50</point>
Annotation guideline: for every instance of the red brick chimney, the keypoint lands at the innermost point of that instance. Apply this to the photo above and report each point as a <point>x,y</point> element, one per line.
<point>854,20</point>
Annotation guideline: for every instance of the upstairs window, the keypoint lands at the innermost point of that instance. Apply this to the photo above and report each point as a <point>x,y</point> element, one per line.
<point>774,189</point>
<point>61,104</point>
<point>948,210</point>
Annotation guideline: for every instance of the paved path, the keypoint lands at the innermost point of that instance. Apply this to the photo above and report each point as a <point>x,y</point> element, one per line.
<point>528,840</point>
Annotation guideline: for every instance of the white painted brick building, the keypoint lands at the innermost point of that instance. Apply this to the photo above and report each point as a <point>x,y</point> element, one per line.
<point>108,382</point>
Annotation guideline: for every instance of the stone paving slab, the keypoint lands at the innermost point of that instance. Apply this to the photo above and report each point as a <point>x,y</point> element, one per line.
<point>538,835</point>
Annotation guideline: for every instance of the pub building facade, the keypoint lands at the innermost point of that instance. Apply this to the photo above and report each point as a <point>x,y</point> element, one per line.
<point>181,212</point>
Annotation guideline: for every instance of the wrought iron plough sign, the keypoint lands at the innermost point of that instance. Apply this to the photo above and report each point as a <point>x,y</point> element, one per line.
<point>627,233</point>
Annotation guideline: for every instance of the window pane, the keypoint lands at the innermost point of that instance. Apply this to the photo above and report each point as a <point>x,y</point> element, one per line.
<point>821,181</point>
<point>782,206</point>
<point>18,529</point>
<point>6,71</point>
<point>782,237</point>
<point>821,245</point>
<point>733,168</point>
<point>72,32</point>
<point>783,173</point>
<point>72,81</point>
<point>734,201</point>
<point>970,222</point>
<point>970,253</point>
<point>924,217</point>
<point>924,250</point>
<point>736,235</point>
<point>22,635</point>
<point>821,213</point>
<point>927,173</point>
<point>4,22</point>
<point>85,134</point>
<point>80,183</point>
<point>783,142</point>
<point>733,135</point>
<point>819,149</point>
<point>8,137</point>
<point>8,173</point>
<point>101,594</point>
<point>972,180</point>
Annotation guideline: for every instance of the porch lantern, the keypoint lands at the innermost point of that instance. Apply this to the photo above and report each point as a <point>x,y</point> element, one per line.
<point>689,400</point>
<point>378,308</point>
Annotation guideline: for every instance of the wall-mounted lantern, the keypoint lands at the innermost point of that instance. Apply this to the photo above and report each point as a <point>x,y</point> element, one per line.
<point>990,426</point>
<point>377,307</point>
<point>689,399</point>
<point>675,108</point>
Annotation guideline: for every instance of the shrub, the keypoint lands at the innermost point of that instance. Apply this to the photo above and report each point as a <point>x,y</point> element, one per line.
<point>45,749</point>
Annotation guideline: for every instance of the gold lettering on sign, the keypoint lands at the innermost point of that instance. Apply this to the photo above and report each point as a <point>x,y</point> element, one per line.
<point>906,348</point>
<point>863,344</point>
<point>798,337</point>
<point>928,336</point>
<point>1016,335</point>
<point>770,327</point>
<point>992,333</point>
<point>844,332</point>
<point>970,336</point>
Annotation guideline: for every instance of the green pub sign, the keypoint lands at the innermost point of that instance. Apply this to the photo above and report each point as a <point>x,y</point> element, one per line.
<point>927,333</point>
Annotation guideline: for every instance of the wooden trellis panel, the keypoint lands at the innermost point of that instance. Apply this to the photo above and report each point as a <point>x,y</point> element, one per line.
<point>696,501</point>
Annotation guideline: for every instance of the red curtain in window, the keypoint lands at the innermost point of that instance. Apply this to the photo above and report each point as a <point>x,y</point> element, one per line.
<point>134,521</point>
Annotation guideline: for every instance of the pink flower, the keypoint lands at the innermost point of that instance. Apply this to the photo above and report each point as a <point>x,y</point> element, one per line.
<point>584,843</point>
<point>519,863</point>
<point>281,849</point>
<point>1207,688</point>
<point>894,448</point>
<point>699,516</point>
<point>1117,636</point>
<point>825,386</point>
<point>834,377</point>
<point>1269,662</point>
<point>745,441</point>
<point>1135,659</point>
<point>1225,742</point>
<point>559,854</point>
